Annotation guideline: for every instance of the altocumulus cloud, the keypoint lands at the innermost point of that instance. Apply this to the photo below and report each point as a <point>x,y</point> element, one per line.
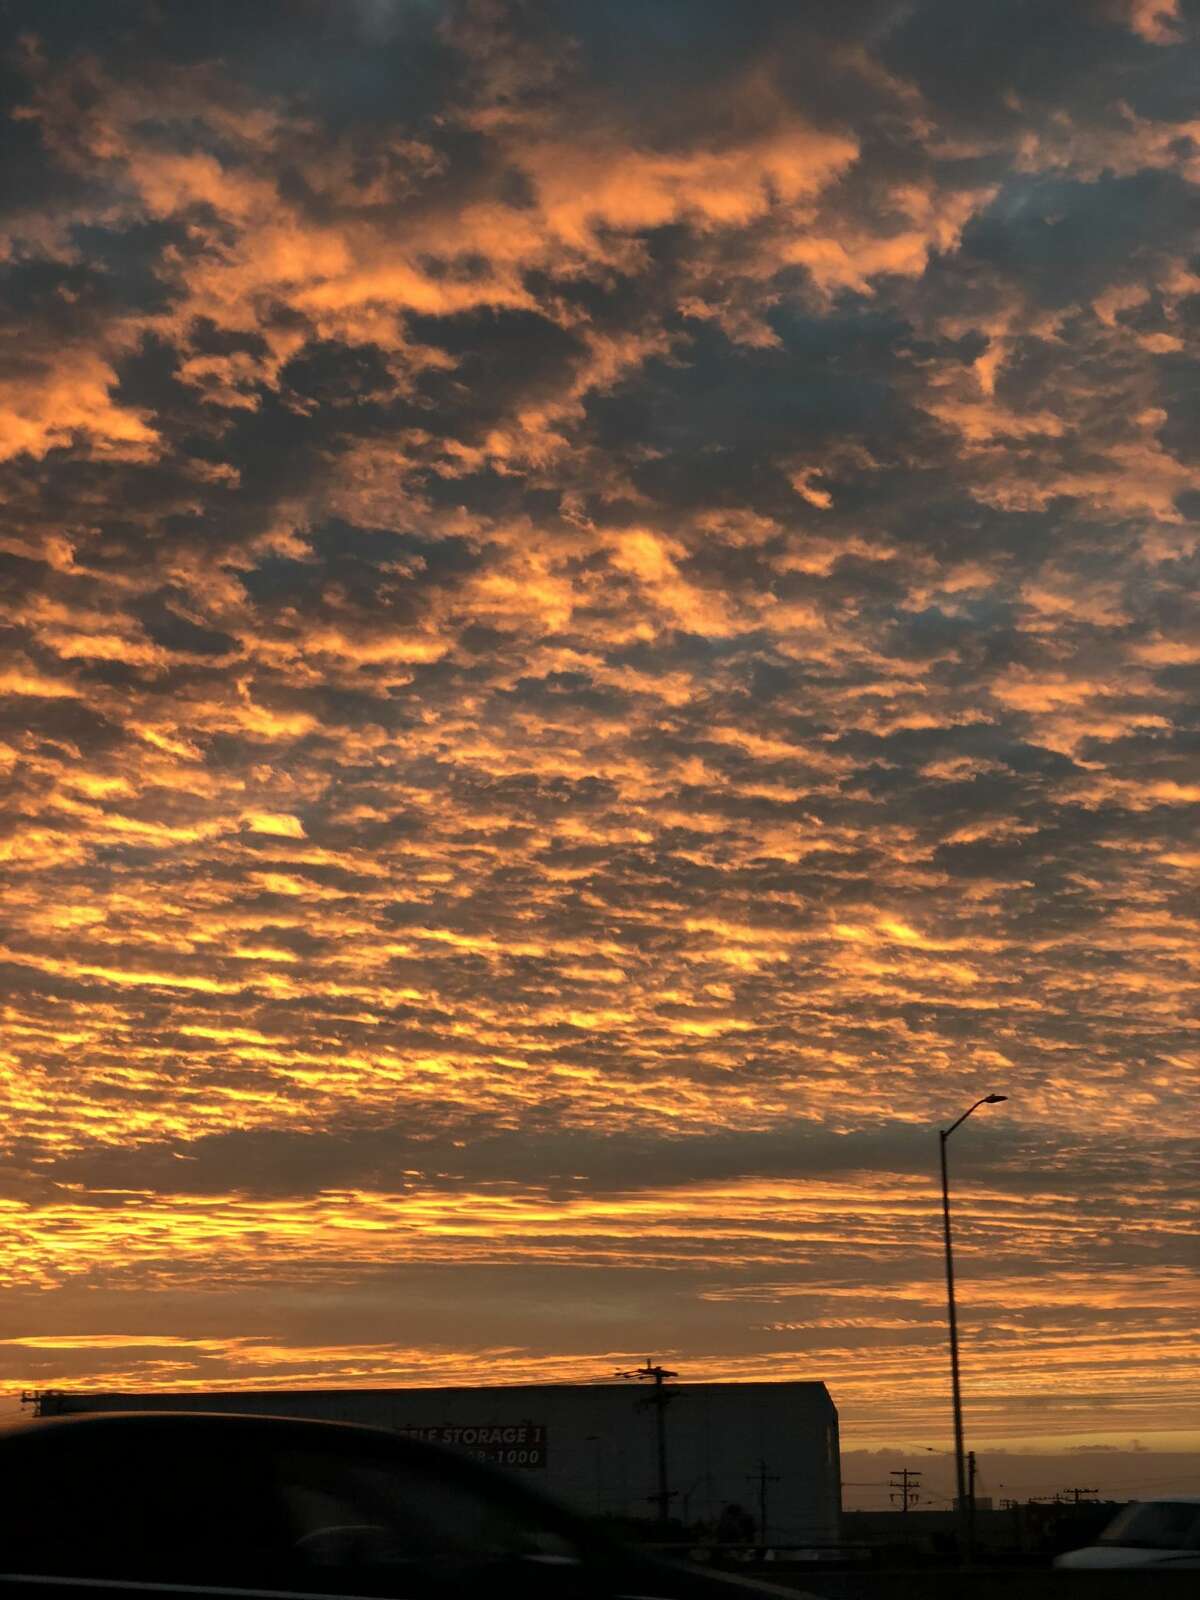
<point>599,630</point>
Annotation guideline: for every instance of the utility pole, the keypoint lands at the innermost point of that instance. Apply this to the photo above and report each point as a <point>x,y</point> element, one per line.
<point>762,1478</point>
<point>904,1483</point>
<point>660,1399</point>
<point>971,1500</point>
<point>687,1497</point>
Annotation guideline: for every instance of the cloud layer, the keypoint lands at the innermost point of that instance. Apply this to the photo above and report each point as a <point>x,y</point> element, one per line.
<point>599,632</point>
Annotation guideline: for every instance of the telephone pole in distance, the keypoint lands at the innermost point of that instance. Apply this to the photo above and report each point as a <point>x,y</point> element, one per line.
<point>904,1486</point>
<point>660,1399</point>
<point>762,1478</point>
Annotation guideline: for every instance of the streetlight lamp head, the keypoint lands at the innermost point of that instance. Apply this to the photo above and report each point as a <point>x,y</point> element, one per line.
<point>993,1099</point>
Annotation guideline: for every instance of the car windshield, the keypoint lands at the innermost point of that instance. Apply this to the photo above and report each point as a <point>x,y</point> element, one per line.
<point>1156,1525</point>
<point>365,1513</point>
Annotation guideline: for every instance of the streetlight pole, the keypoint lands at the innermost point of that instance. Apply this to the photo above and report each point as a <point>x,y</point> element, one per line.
<point>966,1520</point>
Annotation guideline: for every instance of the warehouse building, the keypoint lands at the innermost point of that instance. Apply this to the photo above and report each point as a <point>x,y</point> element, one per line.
<point>769,1447</point>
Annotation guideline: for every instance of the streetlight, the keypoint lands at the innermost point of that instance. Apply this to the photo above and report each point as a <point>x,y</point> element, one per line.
<point>966,1521</point>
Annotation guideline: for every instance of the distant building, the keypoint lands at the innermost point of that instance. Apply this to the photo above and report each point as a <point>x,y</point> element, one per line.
<point>593,1445</point>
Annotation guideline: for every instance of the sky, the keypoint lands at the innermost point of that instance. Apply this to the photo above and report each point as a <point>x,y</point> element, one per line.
<point>599,635</point>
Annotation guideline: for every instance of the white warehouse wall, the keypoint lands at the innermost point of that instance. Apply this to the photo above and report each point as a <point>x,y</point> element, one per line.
<point>598,1440</point>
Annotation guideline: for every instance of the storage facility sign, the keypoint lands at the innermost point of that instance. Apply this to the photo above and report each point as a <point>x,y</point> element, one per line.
<point>500,1444</point>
